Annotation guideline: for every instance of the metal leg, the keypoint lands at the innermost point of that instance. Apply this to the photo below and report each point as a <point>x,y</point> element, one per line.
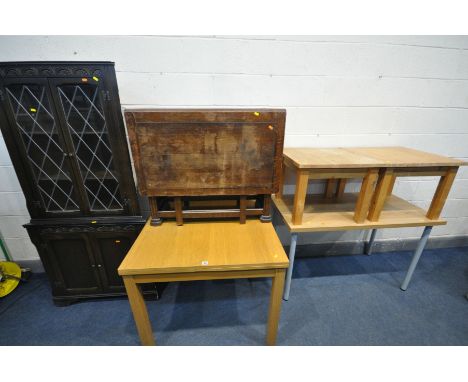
<point>417,254</point>
<point>292,254</point>
<point>368,246</point>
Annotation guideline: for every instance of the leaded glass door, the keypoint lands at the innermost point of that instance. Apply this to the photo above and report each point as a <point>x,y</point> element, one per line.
<point>40,140</point>
<point>81,106</point>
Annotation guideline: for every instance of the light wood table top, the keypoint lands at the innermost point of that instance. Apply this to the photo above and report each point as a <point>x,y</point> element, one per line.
<point>329,214</point>
<point>204,246</point>
<point>365,157</point>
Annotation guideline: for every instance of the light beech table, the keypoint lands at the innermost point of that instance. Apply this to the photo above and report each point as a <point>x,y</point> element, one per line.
<point>204,251</point>
<point>374,206</point>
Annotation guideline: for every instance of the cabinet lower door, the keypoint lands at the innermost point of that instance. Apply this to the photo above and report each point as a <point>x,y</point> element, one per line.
<point>75,270</point>
<point>110,250</point>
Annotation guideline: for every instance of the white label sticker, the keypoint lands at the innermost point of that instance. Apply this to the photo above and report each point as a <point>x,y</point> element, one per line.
<point>204,262</point>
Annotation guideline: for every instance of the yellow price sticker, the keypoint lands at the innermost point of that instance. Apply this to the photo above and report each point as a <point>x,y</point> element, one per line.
<point>93,221</point>
<point>95,78</point>
<point>256,113</point>
<point>32,110</point>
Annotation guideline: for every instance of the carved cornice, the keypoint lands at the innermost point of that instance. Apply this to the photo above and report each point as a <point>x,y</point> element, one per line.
<point>103,228</point>
<point>49,70</point>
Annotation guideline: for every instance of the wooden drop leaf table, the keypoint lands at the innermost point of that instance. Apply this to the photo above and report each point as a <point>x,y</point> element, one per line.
<point>374,206</point>
<point>184,155</point>
<point>206,250</point>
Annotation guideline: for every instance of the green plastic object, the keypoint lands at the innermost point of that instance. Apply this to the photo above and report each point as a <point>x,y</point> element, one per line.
<point>4,250</point>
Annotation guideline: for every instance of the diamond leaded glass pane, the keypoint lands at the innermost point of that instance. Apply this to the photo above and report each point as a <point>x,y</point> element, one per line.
<point>38,129</point>
<point>85,118</point>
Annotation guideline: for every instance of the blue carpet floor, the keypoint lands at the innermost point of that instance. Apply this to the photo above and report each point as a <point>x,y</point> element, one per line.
<point>346,300</point>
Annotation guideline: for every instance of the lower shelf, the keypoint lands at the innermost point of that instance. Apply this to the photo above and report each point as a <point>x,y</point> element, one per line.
<point>336,214</point>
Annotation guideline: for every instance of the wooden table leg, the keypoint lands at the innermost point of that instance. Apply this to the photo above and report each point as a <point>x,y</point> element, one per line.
<point>140,313</point>
<point>302,180</point>
<point>392,184</point>
<point>279,194</point>
<point>341,187</point>
<point>365,196</point>
<point>155,219</point>
<point>380,194</point>
<point>242,209</point>
<point>275,306</point>
<point>441,193</point>
<point>330,188</point>
<point>178,210</point>
<point>265,217</point>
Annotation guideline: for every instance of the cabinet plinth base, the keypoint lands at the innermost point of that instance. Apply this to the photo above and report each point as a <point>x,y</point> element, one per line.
<point>150,294</point>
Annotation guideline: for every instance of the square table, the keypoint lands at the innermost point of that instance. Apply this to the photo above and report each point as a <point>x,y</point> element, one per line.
<point>207,250</point>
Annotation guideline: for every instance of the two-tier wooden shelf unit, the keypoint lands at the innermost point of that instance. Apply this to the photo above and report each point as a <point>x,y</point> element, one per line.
<point>374,206</point>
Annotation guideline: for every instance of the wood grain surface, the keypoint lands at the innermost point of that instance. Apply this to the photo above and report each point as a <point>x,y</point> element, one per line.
<point>206,152</point>
<point>205,246</point>
<point>365,157</point>
<point>322,214</point>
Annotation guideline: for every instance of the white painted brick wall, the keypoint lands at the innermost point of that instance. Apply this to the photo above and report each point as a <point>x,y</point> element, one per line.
<point>338,91</point>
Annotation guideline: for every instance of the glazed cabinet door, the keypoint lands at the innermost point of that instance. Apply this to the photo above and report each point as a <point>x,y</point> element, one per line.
<point>75,271</point>
<point>110,249</point>
<point>64,131</point>
<point>83,109</point>
<point>37,147</point>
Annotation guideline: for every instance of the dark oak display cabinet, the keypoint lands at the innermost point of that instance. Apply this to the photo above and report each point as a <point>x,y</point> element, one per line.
<point>63,128</point>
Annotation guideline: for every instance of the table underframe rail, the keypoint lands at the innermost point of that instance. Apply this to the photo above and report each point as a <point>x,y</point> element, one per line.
<point>181,208</point>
